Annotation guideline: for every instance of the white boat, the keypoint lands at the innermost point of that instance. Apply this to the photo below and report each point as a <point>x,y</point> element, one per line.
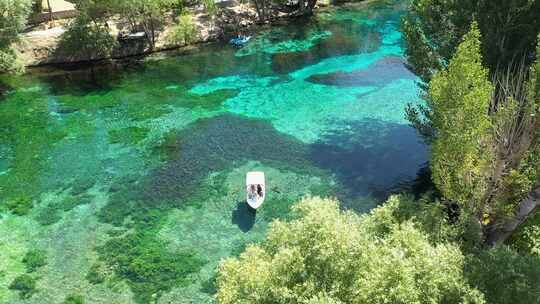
<point>255,189</point>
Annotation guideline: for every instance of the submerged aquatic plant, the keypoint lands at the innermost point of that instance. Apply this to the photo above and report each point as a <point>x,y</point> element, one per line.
<point>98,273</point>
<point>130,135</point>
<point>25,284</point>
<point>74,299</point>
<point>20,205</point>
<point>81,185</point>
<point>148,266</point>
<point>35,259</point>
<point>52,213</point>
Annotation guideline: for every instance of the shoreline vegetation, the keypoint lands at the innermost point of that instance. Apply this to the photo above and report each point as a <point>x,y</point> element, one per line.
<point>155,211</point>
<point>194,24</point>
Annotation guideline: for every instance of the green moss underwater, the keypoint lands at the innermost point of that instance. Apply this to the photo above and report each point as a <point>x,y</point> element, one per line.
<point>126,184</point>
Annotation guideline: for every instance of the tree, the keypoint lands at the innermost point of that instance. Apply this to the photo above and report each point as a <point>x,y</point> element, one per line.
<point>12,22</point>
<point>96,10</point>
<point>261,6</point>
<point>516,180</point>
<point>148,15</point>
<point>325,255</point>
<point>184,31</point>
<point>86,39</point>
<point>49,8</point>
<point>485,139</point>
<point>434,28</point>
<point>460,97</point>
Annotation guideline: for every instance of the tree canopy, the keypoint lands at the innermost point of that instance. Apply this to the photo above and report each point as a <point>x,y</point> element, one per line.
<point>326,255</point>
<point>481,114</point>
<point>12,22</point>
<point>434,28</point>
<point>460,97</point>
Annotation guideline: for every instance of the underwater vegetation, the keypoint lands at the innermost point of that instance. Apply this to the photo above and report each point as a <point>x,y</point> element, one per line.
<point>223,140</point>
<point>28,140</point>
<point>364,157</point>
<point>185,179</point>
<point>25,284</point>
<point>148,266</point>
<point>19,205</point>
<point>342,41</point>
<point>52,212</point>
<point>131,177</point>
<point>74,299</point>
<point>129,136</point>
<point>81,185</point>
<point>35,259</point>
<point>210,102</point>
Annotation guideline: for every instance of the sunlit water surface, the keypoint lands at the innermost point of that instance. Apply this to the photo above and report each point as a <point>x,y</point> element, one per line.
<point>135,174</point>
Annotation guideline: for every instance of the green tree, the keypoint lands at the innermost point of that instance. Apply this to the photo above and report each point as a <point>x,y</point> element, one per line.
<point>86,39</point>
<point>516,179</point>
<point>12,22</point>
<point>325,255</point>
<point>434,28</point>
<point>504,276</point>
<point>184,31</point>
<point>460,97</point>
<point>147,15</point>
<point>485,139</point>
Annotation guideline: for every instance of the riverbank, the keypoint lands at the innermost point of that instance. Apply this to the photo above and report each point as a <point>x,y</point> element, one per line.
<point>38,47</point>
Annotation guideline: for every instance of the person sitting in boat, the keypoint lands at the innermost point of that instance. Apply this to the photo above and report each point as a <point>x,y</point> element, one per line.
<point>252,192</point>
<point>259,190</point>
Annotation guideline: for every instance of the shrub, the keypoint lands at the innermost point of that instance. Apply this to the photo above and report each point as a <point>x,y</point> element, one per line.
<point>325,255</point>
<point>86,39</point>
<point>184,32</point>
<point>505,276</point>
<point>12,22</point>
<point>10,62</point>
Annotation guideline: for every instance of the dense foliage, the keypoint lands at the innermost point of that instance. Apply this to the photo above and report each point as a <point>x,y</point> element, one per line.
<point>86,39</point>
<point>90,37</point>
<point>148,266</point>
<point>434,28</point>
<point>460,98</point>
<point>329,256</point>
<point>485,133</point>
<point>405,251</point>
<point>12,23</point>
<point>184,31</point>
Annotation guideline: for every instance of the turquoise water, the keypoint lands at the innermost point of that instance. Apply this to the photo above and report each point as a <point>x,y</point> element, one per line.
<point>130,178</point>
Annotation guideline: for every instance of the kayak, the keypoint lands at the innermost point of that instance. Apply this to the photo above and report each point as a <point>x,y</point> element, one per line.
<point>240,40</point>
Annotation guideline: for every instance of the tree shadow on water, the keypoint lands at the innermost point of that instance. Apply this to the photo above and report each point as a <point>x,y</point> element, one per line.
<point>244,216</point>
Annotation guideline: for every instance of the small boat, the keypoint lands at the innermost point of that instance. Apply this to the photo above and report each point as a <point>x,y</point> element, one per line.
<point>255,188</point>
<point>240,40</point>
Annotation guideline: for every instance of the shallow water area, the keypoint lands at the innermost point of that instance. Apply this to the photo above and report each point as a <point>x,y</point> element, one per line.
<point>131,178</point>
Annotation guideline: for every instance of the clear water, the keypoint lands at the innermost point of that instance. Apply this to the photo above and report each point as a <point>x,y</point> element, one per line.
<point>138,170</point>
